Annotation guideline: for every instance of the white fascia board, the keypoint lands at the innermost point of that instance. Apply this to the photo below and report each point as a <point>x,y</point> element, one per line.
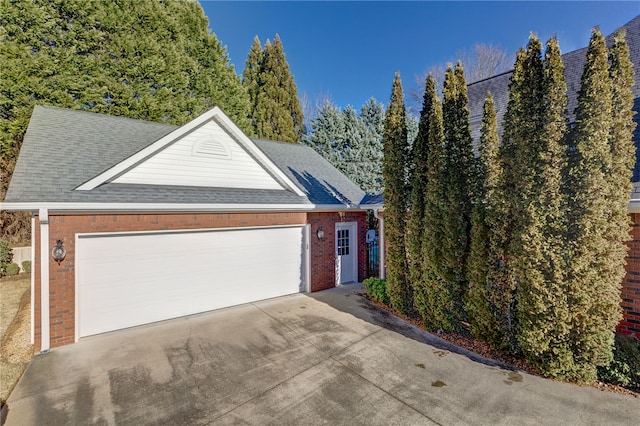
<point>379,207</point>
<point>634,206</point>
<point>214,113</point>
<point>152,207</point>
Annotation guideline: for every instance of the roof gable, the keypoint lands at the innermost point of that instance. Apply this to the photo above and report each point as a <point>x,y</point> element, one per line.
<point>209,151</point>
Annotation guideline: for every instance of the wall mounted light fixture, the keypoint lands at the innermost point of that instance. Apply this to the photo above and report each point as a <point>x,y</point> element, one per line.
<point>58,252</point>
<point>320,234</point>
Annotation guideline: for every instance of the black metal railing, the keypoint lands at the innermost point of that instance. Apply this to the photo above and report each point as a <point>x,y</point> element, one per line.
<point>373,259</point>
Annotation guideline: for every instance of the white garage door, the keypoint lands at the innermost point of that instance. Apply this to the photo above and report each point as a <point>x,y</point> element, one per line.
<point>131,279</point>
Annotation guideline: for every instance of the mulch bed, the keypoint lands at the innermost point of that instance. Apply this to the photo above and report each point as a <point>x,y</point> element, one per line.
<point>467,341</point>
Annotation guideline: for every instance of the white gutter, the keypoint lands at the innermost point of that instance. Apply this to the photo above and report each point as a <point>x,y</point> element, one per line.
<point>76,208</point>
<point>43,216</point>
<point>634,206</point>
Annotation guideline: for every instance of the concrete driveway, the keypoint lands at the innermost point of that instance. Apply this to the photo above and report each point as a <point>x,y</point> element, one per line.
<point>326,358</point>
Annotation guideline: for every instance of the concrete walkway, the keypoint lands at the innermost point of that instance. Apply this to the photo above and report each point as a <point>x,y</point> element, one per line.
<point>327,358</point>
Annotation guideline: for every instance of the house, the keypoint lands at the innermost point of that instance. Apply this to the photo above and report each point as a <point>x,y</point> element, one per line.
<point>135,222</point>
<point>574,64</point>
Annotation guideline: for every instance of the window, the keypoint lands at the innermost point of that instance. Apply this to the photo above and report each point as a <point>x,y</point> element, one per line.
<point>343,242</point>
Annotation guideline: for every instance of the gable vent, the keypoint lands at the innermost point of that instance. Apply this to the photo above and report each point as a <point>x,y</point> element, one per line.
<point>207,146</point>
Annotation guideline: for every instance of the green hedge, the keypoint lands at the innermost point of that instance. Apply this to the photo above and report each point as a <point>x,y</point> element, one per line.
<point>5,257</point>
<point>26,266</point>
<point>624,370</point>
<point>377,289</point>
<point>13,269</point>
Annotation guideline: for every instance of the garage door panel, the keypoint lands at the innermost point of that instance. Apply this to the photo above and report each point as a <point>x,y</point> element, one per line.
<point>129,280</point>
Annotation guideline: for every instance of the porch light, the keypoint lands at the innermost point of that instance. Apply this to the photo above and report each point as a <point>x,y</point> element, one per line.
<point>58,252</point>
<point>320,234</point>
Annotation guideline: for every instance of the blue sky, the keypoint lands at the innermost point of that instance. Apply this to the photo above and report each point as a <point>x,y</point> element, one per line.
<point>351,50</point>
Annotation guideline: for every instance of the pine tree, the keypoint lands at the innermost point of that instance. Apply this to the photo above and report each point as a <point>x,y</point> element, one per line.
<point>351,142</point>
<point>537,250</point>
<point>480,266</point>
<point>593,275</point>
<point>394,174</point>
<point>276,112</point>
<point>431,293</point>
<point>251,76</point>
<point>458,179</point>
<point>419,159</point>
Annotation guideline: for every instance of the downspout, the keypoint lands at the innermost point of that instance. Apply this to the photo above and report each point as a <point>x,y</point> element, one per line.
<point>43,216</point>
<point>381,248</point>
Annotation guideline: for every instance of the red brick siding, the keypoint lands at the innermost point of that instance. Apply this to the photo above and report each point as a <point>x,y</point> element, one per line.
<point>323,255</point>
<point>62,277</point>
<point>631,284</point>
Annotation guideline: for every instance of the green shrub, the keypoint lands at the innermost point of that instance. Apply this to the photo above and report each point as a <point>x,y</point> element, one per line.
<point>26,266</point>
<point>624,370</point>
<point>377,289</point>
<point>13,269</point>
<point>5,257</point>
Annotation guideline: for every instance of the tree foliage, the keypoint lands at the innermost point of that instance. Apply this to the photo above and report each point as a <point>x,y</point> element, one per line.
<point>537,249</point>
<point>418,180</point>
<point>431,292</point>
<point>481,262</point>
<point>457,182</point>
<point>275,108</point>
<point>596,230</point>
<point>394,174</point>
<point>147,60</point>
<point>351,141</point>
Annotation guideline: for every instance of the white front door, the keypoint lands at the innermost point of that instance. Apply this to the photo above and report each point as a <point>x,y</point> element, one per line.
<point>346,252</point>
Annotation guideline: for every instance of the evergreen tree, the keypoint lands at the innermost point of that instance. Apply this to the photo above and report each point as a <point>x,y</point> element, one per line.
<point>458,179</point>
<point>251,78</point>
<point>537,248</point>
<point>593,267</point>
<point>351,142</point>
<point>480,265</point>
<point>372,116</point>
<point>502,296</point>
<point>623,152</point>
<point>418,180</point>
<point>148,60</point>
<point>394,170</point>
<point>276,112</point>
<point>431,293</point>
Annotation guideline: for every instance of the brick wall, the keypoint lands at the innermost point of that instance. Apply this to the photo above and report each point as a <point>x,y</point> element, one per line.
<point>62,277</point>
<point>323,255</point>
<point>631,284</point>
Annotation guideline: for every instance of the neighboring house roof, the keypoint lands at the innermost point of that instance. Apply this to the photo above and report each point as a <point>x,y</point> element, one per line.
<point>573,67</point>
<point>65,151</point>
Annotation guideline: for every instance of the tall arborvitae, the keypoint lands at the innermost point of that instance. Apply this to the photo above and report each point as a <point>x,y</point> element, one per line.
<point>395,149</point>
<point>623,151</point>
<point>480,265</point>
<point>419,159</point>
<point>537,249</point>
<point>502,296</point>
<point>276,112</point>
<point>431,293</point>
<point>459,165</point>
<point>593,269</point>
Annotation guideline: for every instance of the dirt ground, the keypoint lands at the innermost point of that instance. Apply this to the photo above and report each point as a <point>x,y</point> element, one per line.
<point>15,331</point>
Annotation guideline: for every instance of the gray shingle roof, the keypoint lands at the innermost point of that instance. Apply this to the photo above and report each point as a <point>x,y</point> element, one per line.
<point>64,148</point>
<point>574,64</point>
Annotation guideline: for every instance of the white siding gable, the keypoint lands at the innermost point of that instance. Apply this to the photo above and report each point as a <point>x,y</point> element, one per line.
<point>207,156</point>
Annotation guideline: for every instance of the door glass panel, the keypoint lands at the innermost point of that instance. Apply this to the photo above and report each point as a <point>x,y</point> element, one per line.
<point>343,242</point>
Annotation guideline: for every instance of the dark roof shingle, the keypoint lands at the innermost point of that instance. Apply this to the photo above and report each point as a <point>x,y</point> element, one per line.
<point>64,148</point>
